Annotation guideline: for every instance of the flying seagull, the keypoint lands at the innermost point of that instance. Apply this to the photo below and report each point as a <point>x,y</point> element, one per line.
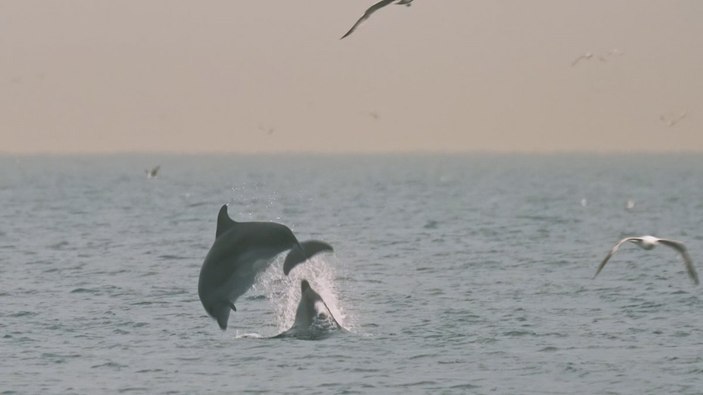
<point>649,242</point>
<point>671,120</point>
<point>373,9</point>
<point>602,56</point>
<point>269,130</point>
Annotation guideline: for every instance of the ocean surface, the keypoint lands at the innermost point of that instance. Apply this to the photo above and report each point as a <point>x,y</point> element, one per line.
<point>454,274</point>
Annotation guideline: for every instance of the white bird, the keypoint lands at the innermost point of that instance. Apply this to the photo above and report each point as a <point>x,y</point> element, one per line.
<point>373,9</point>
<point>648,243</point>
<point>602,56</point>
<point>630,204</point>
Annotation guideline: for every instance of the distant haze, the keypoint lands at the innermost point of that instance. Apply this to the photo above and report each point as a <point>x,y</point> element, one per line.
<point>273,76</point>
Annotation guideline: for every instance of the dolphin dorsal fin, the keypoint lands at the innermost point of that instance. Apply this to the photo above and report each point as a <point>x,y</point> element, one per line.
<point>224,222</point>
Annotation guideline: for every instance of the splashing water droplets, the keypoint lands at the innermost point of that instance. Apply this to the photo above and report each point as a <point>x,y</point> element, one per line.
<point>284,292</point>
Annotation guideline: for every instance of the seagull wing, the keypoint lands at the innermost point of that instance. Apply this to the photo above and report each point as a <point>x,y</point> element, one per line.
<point>678,246</point>
<point>368,13</point>
<point>613,251</point>
<point>585,56</point>
<point>577,60</point>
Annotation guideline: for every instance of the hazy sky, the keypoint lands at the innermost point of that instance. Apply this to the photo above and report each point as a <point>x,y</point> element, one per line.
<point>272,76</point>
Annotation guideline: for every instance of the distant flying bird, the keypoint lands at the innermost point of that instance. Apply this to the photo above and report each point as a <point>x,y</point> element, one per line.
<point>649,242</point>
<point>269,130</point>
<point>375,8</point>
<point>603,56</point>
<point>614,52</point>
<point>671,120</point>
<point>153,172</point>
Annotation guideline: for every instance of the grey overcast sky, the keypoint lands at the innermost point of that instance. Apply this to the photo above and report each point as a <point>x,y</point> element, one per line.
<point>273,76</point>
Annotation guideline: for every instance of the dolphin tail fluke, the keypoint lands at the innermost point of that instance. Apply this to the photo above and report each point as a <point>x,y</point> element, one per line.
<point>307,250</point>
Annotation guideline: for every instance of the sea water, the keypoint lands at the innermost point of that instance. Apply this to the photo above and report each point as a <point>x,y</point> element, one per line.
<point>453,273</point>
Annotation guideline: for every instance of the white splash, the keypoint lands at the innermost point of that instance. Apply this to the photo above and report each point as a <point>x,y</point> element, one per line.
<point>284,292</point>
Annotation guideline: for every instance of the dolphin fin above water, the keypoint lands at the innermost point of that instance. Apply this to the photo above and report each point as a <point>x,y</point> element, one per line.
<point>240,252</point>
<point>224,222</point>
<point>313,318</point>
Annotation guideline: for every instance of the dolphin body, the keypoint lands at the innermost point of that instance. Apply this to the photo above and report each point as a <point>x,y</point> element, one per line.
<point>240,252</point>
<point>313,319</point>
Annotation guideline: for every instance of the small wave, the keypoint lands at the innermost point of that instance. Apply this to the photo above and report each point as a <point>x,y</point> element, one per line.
<point>172,257</point>
<point>59,245</point>
<point>59,358</point>
<point>134,389</point>
<point>102,290</point>
<point>84,290</point>
<point>422,356</point>
<point>519,333</point>
<point>149,371</point>
<point>23,313</point>
<point>109,364</point>
<point>149,302</point>
<point>452,362</point>
<point>431,225</point>
<point>249,336</point>
<point>417,383</point>
<point>464,387</point>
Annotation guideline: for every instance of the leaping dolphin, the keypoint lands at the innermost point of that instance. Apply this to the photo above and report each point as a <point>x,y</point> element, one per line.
<point>240,252</point>
<point>313,319</point>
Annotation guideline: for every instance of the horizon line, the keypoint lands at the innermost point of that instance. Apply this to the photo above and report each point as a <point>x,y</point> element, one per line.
<point>535,152</point>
